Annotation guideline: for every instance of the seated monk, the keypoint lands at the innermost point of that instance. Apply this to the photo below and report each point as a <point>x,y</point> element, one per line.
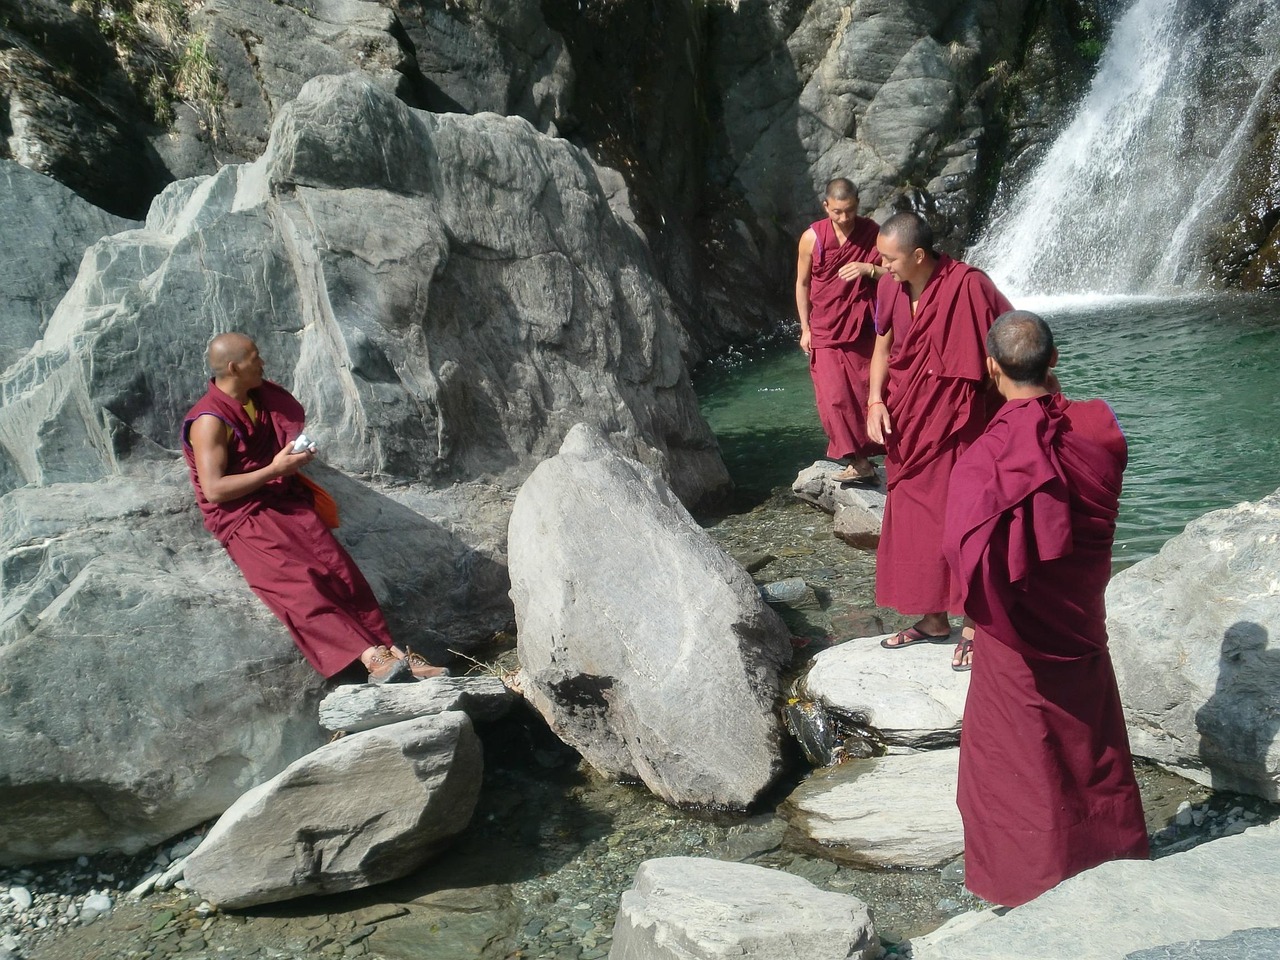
<point>238,441</point>
<point>1046,785</point>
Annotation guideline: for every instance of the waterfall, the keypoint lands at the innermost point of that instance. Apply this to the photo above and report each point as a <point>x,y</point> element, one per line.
<point>1113,207</point>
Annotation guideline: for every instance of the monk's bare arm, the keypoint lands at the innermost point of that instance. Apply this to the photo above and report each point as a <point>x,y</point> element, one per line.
<point>208,437</point>
<point>804,271</point>
<point>879,424</point>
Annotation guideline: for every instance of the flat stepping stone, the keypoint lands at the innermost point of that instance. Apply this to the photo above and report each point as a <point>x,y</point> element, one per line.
<point>893,811</point>
<point>363,706</point>
<point>908,697</point>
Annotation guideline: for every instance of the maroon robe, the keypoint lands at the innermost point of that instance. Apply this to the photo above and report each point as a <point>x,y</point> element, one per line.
<point>286,553</point>
<point>842,336</point>
<point>1046,785</point>
<point>938,407</point>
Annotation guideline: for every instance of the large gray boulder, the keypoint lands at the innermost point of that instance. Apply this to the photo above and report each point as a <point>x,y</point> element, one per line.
<point>1193,635</point>
<point>909,698</point>
<point>145,688</point>
<point>44,231</point>
<point>445,295</point>
<point>686,908</point>
<point>642,643</point>
<point>367,808</point>
<point>1118,908</point>
<point>892,811</point>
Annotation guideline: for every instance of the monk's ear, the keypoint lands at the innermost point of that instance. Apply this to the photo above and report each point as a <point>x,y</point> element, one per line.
<point>1053,358</point>
<point>993,368</point>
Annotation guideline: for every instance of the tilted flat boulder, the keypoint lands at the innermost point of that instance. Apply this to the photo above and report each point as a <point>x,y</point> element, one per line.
<point>1117,909</point>
<point>688,908</point>
<point>370,807</point>
<point>909,698</point>
<point>362,706</point>
<point>445,295</point>
<point>891,811</point>
<point>643,644</point>
<point>1194,637</point>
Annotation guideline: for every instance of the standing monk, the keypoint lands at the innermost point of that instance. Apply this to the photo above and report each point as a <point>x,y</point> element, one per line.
<point>926,404</point>
<point>1046,783</point>
<point>238,442</point>
<point>835,291</point>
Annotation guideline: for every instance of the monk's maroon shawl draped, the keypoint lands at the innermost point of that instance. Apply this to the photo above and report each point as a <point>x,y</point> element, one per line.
<point>1046,783</point>
<point>288,556</point>
<point>840,311</point>
<point>842,336</point>
<point>938,407</point>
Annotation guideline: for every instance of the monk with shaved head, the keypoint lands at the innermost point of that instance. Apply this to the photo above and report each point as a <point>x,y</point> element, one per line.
<point>837,268</point>
<point>238,441</point>
<point>1046,784</point>
<point>927,401</point>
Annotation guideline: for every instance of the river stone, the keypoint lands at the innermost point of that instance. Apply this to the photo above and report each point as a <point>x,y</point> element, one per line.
<point>642,643</point>
<point>446,296</point>
<point>687,908</point>
<point>367,808</point>
<point>858,509</point>
<point>1192,637</point>
<point>352,707</point>
<point>892,811</point>
<point>44,231</point>
<point>908,697</point>
<point>1109,912</point>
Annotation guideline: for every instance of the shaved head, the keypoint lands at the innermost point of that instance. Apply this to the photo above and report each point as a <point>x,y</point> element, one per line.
<point>228,348</point>
<point>1022,344</point>
<point>910,232</point>
<point>841,188</point>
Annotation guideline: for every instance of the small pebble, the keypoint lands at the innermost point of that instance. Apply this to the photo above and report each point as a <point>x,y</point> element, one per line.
<point>21,898</point>
<point>1183,817</point>
<point>95,906</point>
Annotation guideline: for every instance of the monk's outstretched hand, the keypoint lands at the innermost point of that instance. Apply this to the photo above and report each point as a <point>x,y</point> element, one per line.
<point>879,423</point>
<point>286,463</point>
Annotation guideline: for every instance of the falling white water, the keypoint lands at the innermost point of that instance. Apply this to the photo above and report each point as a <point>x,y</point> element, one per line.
<point>1113,207</point>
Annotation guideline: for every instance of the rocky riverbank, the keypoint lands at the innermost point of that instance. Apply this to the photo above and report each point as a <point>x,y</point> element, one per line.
<point>552,845</point>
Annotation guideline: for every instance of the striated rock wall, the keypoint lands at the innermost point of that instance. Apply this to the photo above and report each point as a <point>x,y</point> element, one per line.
<point>723,119</point>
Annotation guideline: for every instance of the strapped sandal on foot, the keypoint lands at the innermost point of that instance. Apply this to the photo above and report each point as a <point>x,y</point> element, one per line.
<point>911,636</point>
<point>850,475</point>
<point>422,668</point>
<point>386,667</point>
<point>963,653</point>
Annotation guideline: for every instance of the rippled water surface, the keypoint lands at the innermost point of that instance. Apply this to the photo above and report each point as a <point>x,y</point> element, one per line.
<point>1194,382</point>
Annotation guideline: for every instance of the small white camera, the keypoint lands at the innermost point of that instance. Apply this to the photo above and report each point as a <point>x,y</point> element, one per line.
<point>304,443</point>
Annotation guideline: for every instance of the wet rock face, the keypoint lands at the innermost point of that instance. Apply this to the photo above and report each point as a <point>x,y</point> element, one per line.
<point>1192,637</point>
<point>371,807</point>
<point>641,642</point>
<point>445,295</point>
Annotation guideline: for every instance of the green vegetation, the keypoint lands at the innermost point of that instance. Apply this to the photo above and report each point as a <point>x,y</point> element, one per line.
<point>1090,41</point>
<point>162,58</point>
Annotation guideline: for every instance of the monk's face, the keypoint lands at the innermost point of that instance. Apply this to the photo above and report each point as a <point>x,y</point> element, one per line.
<point>903,265</point>
<point>841,212</point>
<point>249,370</point>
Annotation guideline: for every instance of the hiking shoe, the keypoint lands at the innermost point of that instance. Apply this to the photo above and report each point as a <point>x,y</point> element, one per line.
<point>385,667</point>
<point>421,667</point>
